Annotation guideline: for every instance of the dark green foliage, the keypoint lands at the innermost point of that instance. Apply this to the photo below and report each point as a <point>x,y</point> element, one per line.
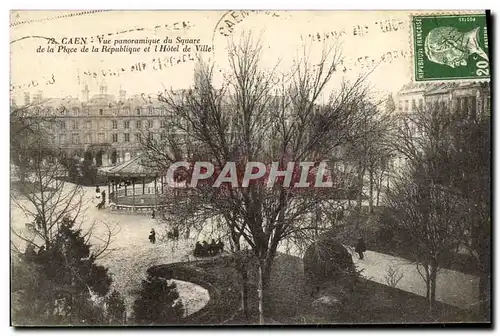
<point>326,261</point>
<point>55,285</point>
<point>69,261</point>
<point>115,308</point>
<point>158,302</point>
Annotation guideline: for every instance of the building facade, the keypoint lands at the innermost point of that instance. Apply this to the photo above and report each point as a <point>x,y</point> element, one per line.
<point>470,99</point>
<point>100,127</point>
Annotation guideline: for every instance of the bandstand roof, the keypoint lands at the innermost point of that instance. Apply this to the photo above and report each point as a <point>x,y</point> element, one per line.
<point>132,168</point>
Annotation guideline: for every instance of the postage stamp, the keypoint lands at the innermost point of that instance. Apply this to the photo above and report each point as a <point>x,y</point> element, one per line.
<point>449,47</point>
<point>247,167</point>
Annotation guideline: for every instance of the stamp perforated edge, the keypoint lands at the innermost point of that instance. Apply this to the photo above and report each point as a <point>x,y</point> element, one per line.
<point>412,44</point>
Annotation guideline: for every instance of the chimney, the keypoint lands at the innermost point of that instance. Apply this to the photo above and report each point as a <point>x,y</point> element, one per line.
<point>37,98</point>
<point>123,95</point>
<point>103,88</point>
<point>26,98</point>
<point>85,93</point>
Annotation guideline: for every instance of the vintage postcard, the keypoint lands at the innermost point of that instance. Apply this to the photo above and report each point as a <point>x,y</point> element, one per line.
<point>250,167</point>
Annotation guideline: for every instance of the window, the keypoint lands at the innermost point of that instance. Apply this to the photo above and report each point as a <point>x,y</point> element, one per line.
<point>76,139</point>
<point>406,105</point>
<point>472,108</point>
<point>87,124</point>
<point>76,111</point>
<point>413,105</point>
<point>421,104</point>
<point>138,137</point>
<point>150,123</point>
<point>62,139</point>
<point>138,111</point>
<point>101,137</point>
<point>88,138</point>
<point>62,110</point>
<point>138,124</point>
<point>464,106</point>
<point>126,124</point>
<point>163,124</point>
<point>115,137</point>
<point>115,124</point>
<point>101,124</point>
<point>75,124</point>
<point>101,111</point>
<point>150,110</point>
<point>62,125</point>
<point>400,106</point>
<point>51,138</point>
<point>126,137</point>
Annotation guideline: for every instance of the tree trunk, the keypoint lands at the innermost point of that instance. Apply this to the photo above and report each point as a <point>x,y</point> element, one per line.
<point>427,282</point>
<point>264,276</point>
<point>244,291</point>
<point>361,174</point>
<point>380,181</point>
<point>370,201</point>
<point>433,278</point>
<point>484,287</point>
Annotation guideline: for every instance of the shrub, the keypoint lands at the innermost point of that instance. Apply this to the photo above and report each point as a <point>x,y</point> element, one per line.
<point>326,260</point>
<point>158,302</point>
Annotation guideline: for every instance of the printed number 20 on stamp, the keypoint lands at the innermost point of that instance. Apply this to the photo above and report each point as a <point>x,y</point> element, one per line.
<point>450,47</point>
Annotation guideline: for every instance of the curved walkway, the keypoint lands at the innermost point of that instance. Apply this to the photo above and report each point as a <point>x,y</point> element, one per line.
<point>453,288</point>
<point>220,308</point>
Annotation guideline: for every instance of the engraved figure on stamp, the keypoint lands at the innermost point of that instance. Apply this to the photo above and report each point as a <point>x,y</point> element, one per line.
<point>449,46</point>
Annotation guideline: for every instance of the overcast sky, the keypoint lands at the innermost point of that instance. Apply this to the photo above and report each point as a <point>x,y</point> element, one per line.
<point>364,36</point>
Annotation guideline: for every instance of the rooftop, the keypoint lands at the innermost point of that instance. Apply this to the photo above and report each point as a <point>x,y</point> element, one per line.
<point>136,167</point>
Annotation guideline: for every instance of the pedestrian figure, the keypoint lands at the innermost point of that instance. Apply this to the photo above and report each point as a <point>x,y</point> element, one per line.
<point>103,194</point>
<point>213,247</point>
<point>153,214</point>
<point>198,249</point>
<point>152,236</point>
<point>220,246</point>
<point>98,195</point>
<point>360,248</point>
<point>205,249</point>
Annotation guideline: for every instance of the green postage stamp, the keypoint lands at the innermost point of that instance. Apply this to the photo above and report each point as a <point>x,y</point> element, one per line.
<point>450,47</point>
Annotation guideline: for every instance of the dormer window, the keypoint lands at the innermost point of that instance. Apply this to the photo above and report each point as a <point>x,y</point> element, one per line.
<point>101,111</point>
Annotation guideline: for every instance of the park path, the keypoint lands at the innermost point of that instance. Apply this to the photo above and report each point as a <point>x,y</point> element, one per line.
<point>132,254</point>
<point>453,288</point>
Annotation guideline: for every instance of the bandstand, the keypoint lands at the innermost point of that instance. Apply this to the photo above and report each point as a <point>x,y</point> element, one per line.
<point>133,186</point>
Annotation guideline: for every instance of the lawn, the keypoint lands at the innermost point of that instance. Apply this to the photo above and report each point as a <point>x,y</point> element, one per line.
<point>291,304</point>
<point>371,224</point>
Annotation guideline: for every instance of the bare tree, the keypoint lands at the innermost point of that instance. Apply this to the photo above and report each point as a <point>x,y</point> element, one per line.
<point>27,125</point>
<point>393,276</point>
<point>257,117</point>
<point>371,153</point>
<point>427,206</point>
<point>52,208</point>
